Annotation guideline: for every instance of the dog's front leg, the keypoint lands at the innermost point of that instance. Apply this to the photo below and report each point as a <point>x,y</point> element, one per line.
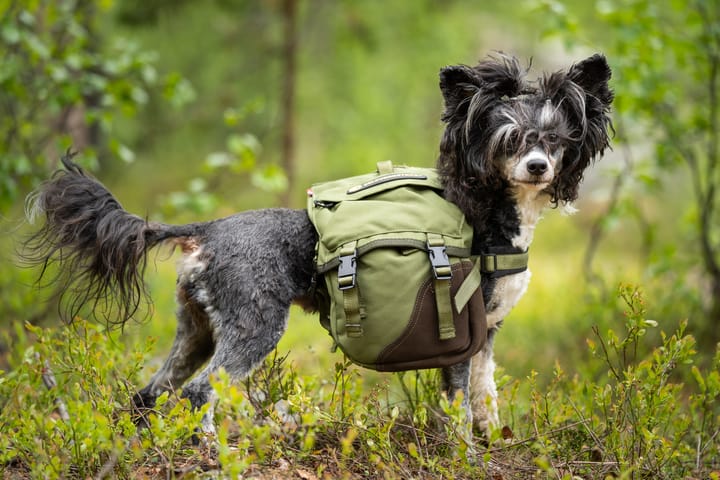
<point>483,396</point>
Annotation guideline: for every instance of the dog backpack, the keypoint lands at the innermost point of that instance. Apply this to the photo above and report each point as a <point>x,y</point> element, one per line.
<point>397,288</point>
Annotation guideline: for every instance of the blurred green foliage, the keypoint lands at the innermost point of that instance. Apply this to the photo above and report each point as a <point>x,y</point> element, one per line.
<point>175,105</point>
<point>63,84</point>
<point>666,68</point>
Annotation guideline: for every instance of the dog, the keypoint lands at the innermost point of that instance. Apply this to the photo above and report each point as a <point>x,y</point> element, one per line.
<point>511,148</point>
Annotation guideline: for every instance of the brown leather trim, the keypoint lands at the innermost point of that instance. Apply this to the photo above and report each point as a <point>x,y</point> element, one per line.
<point>420,346</point>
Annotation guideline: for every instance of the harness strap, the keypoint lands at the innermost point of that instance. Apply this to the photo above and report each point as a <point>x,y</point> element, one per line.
<point>442,273</point>
<point>501,264</point>
<point>468,287</point>
<point>496,265</point>
<point>347,272</point>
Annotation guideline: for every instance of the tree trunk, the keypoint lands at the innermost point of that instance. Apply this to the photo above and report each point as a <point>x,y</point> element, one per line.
<point>289,13</point>
<point>708,336</point>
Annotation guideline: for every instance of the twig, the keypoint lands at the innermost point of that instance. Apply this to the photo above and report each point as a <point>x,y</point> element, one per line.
<point>48,378</point>
<point>107,468</point>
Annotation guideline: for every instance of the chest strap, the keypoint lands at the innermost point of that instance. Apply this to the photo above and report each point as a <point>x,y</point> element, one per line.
<point>501,264</point>
<point>493,264</point>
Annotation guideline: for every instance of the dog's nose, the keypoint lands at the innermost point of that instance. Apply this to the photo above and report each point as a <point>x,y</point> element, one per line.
<point>537,166</point>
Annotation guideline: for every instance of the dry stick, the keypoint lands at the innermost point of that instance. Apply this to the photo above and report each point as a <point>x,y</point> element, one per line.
<point>107,468</point>
<point>584,422</point>
<point>48,379</point>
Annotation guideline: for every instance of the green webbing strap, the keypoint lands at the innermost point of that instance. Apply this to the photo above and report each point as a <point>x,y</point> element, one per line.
<point>444,308</point>
<point>385,167</point>
<point>442,273</point>
<point>468,287</point>
<point>488,263</point>
<point>506,261</point>
<point>347,272</point>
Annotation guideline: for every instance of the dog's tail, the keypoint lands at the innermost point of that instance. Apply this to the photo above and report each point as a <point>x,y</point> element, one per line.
<point>96,250</point>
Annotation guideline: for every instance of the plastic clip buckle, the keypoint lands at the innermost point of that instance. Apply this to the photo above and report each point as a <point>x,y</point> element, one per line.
<point>440,262</point>
<point>347,271</point>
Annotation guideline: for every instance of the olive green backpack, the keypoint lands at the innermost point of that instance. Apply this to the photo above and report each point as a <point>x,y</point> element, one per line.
<point>397,287</point>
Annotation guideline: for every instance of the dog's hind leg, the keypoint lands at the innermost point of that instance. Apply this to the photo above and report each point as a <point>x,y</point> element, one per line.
<point>242,346</point>
<point>192,347</point>
<point>456,379</point>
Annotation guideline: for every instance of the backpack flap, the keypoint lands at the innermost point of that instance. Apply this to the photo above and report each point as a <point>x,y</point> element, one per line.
<point>368,206</point>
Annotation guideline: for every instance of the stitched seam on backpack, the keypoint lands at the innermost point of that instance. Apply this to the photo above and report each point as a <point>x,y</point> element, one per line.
<point>426,289</point>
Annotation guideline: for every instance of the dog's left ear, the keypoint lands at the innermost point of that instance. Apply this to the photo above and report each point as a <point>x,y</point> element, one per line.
<point>592,75</point>
<point>585,96</point>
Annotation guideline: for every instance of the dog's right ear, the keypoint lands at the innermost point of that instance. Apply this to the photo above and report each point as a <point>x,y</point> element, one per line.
<point>458,83</point>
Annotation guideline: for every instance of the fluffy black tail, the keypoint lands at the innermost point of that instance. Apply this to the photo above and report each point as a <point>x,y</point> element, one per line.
<point>94,248</point>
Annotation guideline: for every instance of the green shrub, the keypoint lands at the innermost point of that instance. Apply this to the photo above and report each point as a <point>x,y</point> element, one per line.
<point>646,416</point>
<point>634,415</point>
<point>64,404</point>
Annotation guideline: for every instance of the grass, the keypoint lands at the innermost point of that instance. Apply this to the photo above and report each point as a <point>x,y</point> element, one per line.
<point>649,414</point>
<point>589,388</point>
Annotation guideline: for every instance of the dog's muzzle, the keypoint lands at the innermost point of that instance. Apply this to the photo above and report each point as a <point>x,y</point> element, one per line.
<point>537,166</point>
<point>534,168</point>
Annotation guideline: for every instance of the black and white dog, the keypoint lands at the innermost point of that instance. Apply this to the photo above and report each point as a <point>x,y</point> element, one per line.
<point>510,149</point>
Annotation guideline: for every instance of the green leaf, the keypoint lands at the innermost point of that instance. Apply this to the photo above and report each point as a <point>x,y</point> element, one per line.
<point>178,90</point>
<point>217,160</point>
<point>243,144</point>
<point>10,33</point>
<point>271,178</point>
<point>36,46</point>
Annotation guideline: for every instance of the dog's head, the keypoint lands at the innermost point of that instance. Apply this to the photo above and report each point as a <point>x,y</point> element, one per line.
<point>506,132</point>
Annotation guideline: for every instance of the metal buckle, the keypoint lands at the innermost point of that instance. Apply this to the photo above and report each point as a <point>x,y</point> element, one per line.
<point>439,260</point>
<point>347,271</point>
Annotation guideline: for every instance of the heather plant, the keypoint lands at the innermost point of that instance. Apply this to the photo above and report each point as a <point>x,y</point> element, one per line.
<point>636,411</point>
<point>62,401</point>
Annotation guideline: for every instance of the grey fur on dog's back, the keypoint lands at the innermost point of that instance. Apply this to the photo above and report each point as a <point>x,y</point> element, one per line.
<point>259,253</point>
<point>238,279</point>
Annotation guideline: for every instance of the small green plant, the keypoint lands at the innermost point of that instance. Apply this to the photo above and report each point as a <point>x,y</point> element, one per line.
<point>64,403</point>
<point>641,415</point>
<point>636,412</point>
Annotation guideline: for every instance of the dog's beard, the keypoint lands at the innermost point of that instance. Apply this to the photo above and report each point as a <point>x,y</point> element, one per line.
<point>535,170</point>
